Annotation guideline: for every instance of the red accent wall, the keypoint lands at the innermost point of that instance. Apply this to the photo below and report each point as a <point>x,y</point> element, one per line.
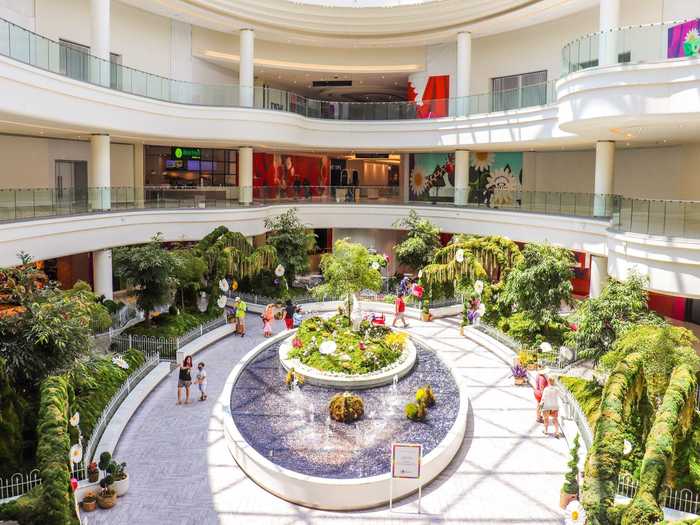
<point>667,305</point>
<point>582,275</point>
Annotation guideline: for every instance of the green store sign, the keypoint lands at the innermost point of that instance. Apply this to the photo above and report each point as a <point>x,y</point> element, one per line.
<point>178,153</point>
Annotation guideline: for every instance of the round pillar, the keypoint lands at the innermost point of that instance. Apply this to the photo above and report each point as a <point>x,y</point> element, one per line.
<point>100,41</point>
<point>102,273</point>
<point>246,72</point>
<point>599,275</point>
<point>609,22</point>
<point>464,66</point>
<point>99,179</point>
<point>461,177</point>
<point>245,175</point>
<point>604,178</point>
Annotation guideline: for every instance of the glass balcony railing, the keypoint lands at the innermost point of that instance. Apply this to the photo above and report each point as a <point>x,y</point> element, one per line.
<point>658,217</point>
<point>653,217</point>
<point>627,45</point>
<point>28,47</point>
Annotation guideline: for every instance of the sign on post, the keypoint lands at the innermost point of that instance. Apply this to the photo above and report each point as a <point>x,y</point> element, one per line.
<point>405,464</point>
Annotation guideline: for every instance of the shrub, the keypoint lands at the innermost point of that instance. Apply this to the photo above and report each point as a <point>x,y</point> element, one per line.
<point>571,482</point>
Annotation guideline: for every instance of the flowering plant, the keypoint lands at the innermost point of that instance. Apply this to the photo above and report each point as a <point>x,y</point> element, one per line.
<point>120,362</point>
<point>296,342</point>
<point>519,372</point>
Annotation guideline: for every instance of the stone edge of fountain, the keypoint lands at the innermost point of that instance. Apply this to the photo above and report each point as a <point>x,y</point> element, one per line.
<point>330,493</point>
<point>385,376</point>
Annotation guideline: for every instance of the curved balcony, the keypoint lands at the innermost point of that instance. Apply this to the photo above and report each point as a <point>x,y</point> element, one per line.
<point>30,48</point>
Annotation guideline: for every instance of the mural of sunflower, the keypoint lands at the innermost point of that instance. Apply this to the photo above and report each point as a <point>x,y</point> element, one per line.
<point>419,180</point>
<point>481,160</point>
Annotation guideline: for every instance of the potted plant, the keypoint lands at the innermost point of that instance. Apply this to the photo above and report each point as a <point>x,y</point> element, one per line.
<point>89,502</point>
<point>425,311</point>
<point>93,472</point>
<point>106,496</point>
<point>519,374</point>
<point>105,460</point>
<point>120,477</point>
<point>569,491</point>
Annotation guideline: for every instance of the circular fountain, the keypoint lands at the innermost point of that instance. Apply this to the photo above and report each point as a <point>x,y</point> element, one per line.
<point>283,437</point>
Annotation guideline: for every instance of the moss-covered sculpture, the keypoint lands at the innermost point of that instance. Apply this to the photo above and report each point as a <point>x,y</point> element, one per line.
<point>416,411</point>
<point>346,407</point>
<point>425,396</point>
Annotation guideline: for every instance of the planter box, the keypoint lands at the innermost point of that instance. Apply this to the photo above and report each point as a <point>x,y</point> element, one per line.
<point>107,502</point>
<point>122,486</point>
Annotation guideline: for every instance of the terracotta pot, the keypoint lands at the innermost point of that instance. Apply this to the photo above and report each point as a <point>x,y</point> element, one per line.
<point>565,499</point>
<point>121,486</point>
<point>89,506</point>
<point>107,502</point>
<point>426,317</point>
<point>519,380</point>
<point>94,477</point>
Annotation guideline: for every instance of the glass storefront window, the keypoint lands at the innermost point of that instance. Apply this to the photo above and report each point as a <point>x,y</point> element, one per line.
<point>213,167</point>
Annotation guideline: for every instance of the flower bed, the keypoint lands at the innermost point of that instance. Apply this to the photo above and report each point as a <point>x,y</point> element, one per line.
<point>330,345</point>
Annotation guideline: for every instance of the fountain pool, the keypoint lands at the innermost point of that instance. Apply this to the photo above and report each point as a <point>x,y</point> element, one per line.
<point>286,442</point>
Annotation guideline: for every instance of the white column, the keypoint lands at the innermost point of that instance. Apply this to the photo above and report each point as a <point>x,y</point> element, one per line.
<point>245,175</point>
<point>139,175</point>
<point>604,177</point>
<point>100,41</point>
<point>246,73</point>
<point>599,275</point>
<point>404,176</point>
<point>609,22</point>
<point>99,180</point>
<point>464,66</point>
<point>461,177</point>
<point>102,273</point>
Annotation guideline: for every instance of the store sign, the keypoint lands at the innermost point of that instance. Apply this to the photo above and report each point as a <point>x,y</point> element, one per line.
<point>179,153</point>
<point>406,460</point>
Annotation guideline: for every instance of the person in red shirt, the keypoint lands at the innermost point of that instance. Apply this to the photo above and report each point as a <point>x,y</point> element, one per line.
<point>400,311</point>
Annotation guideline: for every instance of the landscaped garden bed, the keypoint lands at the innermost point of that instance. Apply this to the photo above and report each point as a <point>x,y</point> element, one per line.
<point>330,345</point>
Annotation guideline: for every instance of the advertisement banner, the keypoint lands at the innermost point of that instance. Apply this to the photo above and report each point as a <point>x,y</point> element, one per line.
<point>684,40</point>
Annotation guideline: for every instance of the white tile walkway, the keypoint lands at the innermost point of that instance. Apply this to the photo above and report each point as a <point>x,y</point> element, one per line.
<point>507,472</point>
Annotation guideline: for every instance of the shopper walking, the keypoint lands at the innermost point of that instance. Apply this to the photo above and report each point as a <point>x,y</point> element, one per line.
<point>400,311</point>
<point>202,381</point>
<point>550,406</point>
<point>289,310</point>
<point>241,309</point>
<point>184,380</point>
<point>267,316</point>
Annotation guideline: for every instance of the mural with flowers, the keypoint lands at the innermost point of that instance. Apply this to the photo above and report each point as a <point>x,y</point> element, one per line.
<point>493,177</point>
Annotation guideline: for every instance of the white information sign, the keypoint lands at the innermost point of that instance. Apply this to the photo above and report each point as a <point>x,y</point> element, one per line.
<point>405,460</point>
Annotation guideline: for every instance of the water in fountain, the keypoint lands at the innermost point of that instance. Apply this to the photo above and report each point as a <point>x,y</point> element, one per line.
<point>296,398</point>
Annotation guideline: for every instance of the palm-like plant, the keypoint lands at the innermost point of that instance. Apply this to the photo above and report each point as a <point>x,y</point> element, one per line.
<point>489,257</point>
<point>230,253</point>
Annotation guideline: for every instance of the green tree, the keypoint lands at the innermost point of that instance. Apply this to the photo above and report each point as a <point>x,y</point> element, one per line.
<point>292,241</point>
<point>601,320</point>
<point>189,271</point>
<point>348,270</point>
<point>541,282</point>
<point>44,328</point>
<point>150,269</point>
<point>421,242</point>
<point>571,478</point>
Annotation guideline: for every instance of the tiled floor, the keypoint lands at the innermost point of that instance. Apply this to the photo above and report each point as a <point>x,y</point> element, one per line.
<point>507,471</point>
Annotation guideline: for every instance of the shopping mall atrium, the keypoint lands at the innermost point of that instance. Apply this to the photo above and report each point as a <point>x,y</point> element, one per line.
<point>349,262</point>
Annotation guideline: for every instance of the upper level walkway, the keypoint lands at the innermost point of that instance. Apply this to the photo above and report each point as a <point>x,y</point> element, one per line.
<point>181,470</point>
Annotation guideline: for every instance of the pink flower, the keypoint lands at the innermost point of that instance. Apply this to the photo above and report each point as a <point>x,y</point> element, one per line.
<point>362,345</point>
<point>296,342</point>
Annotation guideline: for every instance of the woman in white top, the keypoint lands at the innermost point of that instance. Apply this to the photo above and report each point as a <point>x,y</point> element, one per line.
<point>550,406</point>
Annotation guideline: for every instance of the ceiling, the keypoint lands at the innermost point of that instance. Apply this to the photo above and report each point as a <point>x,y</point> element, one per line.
<point>406,23</point>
